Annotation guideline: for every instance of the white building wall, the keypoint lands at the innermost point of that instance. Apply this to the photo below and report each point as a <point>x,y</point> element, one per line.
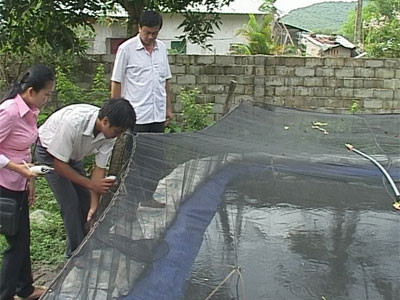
<point>220,42</point>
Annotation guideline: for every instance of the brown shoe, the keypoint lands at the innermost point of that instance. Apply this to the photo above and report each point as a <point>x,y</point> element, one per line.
<point>152,204</point>
<point>37,292</point>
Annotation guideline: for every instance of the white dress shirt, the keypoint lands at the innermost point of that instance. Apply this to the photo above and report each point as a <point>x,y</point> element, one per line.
<point>143,76</point>
<point>68,135</point>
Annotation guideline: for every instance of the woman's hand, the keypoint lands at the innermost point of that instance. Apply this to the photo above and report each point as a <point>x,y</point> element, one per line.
<point>22,169</point>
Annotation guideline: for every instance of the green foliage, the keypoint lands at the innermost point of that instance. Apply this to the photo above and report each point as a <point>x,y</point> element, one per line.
<point>382,28</point>
<point>354,107</point>
<point>259,37</point>
<point>67,91</point>
<point>325,17</point>
<point>50,22</point>
<point>195,115</point>
<point>100,89</point>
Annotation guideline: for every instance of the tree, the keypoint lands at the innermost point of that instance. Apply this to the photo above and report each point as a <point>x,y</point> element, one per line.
<point>197,27</point>
<point>381,28</point>
<point>259,36</point>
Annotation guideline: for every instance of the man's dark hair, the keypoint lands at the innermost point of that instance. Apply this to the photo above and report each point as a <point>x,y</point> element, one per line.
<point>150,18</point>
<point>119,113</point>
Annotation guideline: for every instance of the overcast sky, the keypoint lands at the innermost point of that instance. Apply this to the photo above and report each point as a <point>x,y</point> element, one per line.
<point>288,5</point>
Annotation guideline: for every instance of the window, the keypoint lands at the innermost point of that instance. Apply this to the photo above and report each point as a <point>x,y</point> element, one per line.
<point>178,47</point>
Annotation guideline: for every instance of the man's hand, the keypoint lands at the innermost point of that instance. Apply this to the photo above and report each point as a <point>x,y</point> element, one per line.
<point>101,186</point>
<point>94,203</point>
<point>168,117</point>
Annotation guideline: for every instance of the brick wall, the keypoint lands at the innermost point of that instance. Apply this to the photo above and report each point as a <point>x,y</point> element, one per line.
<point>323,84</point>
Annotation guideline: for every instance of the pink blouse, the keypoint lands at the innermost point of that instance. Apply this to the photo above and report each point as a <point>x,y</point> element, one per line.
<point>18,131</point>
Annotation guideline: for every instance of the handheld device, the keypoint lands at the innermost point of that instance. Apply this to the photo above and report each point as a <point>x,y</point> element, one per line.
<point>41,170</point>
<point>112,177</point>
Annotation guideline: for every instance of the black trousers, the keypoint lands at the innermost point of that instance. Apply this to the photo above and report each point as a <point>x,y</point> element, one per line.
<point>147,157</point>
<point>16,272</point>
<point>74,200</point>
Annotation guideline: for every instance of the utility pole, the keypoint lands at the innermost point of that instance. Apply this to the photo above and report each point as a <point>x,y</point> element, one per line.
<point>358,24</point>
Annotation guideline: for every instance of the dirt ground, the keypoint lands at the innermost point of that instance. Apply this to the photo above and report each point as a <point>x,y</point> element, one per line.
<point>44,275</point>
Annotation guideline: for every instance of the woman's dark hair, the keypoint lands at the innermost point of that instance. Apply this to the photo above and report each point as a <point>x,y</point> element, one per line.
<point>150,18</point>
<point>36,77</point>
<point>119,113</point>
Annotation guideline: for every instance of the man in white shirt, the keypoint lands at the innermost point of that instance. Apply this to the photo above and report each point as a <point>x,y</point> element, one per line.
<point>141,74</point>
<point>69,135</point>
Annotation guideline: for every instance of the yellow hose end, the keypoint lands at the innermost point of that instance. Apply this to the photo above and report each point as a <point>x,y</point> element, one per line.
<point>396,205</point>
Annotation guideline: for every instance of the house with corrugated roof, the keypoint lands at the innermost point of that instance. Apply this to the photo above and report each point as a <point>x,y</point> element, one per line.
<point>329,45</point>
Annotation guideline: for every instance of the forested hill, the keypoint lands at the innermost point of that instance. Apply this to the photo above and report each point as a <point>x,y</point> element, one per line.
<point>326,17</point>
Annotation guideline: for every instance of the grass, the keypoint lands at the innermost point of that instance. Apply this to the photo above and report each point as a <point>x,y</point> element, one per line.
<point>48,238</point>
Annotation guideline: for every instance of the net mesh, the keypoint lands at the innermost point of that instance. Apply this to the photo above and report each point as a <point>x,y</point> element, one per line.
<point>280,157</point>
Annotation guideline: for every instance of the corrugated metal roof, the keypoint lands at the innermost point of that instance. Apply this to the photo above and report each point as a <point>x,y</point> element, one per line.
<point>327,41</point>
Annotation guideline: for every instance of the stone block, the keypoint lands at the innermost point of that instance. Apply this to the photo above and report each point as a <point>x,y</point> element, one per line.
<point>312,62</point>
<point>226,80</point>
<point>353,62</point>
<point>363,93</point>
<point>270,70</point>
<point>171,59</point>
<point>294,61</point>
<point>313,81</point>
<point>249,70</point>
<point>260,71</point>
<point>259,81</point>
<point>206,79</point>
<point>249,90</point>
<point>213,70</point>
<point>303,91</point>
<point>245,79</point>
<point>220,98</point>
<point>344,72</point>
<point>372,83</point>
<point>334,62</point>
<point>218,108</point>
<point>259,60</point>
<point>284,91</point>
<point>206,59</point>
<point>259,92</point>
<point>392,63</point>
<point>390,105</point>
<point>374,63</point>
<point>384,73</point>
<point>304,72</point>
<point>294,81</point>
<point>324,92</point>
<point>344,92</point>
<point>178,69</point>
<point>397,95</point>
<point>334,102</point>
<point>224,60</point>
<point>182,59</point>
<point>275,81</point>
<point>364,72</point>
<point>269,91</point>
<point>373,103</point>
<point>233,70</point>
<point>353,83</point>
<point>195,70</point>
<point>324,72</point>
<point>284,71</point>
<point>383,94</point>
<point>186,79</point>
<point>391,84</point>
<point>397,74</point>
<point>215,89</point>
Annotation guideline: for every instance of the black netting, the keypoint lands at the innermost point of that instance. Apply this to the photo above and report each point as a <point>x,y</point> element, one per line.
<point>266,204</point>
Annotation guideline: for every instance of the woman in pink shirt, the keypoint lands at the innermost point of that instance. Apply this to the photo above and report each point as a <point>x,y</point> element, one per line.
<point>18,131</point>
